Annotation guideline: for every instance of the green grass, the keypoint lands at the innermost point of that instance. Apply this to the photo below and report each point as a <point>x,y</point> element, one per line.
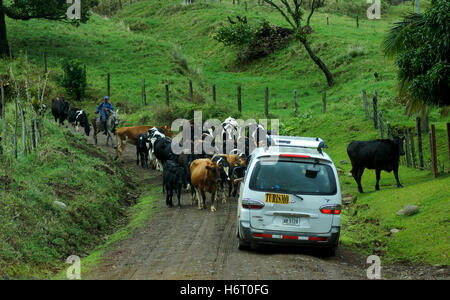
<point>155,41</point>
<point>138,216</point>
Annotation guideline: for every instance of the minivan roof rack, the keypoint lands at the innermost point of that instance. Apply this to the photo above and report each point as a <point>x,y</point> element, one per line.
<point>297,141</point>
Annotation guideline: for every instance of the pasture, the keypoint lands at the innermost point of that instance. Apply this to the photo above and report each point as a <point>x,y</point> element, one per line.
<point>169,43</point>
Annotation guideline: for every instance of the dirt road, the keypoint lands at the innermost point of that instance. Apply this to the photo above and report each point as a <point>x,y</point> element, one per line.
<point>190,244</point>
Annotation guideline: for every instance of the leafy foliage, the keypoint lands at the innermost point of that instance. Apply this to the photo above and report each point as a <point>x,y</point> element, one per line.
<point>239,34</point>
<point>74,79</point>
<point>421,45</point>
<point>254,41</point>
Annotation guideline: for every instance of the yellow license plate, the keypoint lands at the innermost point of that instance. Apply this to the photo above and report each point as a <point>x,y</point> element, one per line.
<point>277,198</point>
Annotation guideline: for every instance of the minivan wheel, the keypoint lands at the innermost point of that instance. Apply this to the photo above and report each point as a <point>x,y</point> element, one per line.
<point>330,251</point>
<point>243,245</point>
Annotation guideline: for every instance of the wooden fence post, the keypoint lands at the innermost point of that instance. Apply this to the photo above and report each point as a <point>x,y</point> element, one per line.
<point>408,155</point>
<point>295,102</point>
<point>375,109</point>
<point>419,143</point>
<point>433,150</point>
<point>191,90</point>
<point>108,85</point>
<point>24,144</point>
<point>5,138</point>
<point>357,21</point>
<point>389,130</point>
<point>14,142</point>
<point>266,102</point>
<point>33,135</point>
<point>45,63</point>
<point>239,98</point>
<point>144,94</point>
<point>366,104</point>
<point>214,93</point>
<point>324,101</point>
<point>167,95</point>
<point>413,148</point>
<point>448,142</point>
<point>380,114</point>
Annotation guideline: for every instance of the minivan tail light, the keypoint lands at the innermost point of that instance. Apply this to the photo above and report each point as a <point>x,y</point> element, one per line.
<point>252,204</point>
<point>331,209</point>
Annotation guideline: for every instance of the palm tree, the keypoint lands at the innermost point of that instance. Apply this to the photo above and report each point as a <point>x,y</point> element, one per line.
<point>397,42</point>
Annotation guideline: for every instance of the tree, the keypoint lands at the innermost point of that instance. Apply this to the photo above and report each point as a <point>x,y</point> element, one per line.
<point>421,47</point>
<point>292,12</point>
<point>74,79</point>
<point>37,9</point>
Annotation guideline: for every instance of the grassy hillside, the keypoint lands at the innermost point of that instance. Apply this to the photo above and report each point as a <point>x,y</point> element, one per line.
<point>37,235</point>
<point>169,43</point>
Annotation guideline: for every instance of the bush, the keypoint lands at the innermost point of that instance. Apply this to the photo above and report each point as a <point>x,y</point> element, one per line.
<point>253,41</point>
<point>74,78</point>
<point>238,34</point>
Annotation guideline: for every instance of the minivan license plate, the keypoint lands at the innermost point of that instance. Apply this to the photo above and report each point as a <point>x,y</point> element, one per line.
<point>291,221</point>
<point>277,198</point>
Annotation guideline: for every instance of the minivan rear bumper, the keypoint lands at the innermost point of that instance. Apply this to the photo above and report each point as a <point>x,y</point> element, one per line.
<point>288,238</point>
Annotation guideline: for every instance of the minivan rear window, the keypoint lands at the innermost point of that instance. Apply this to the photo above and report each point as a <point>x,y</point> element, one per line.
<point>294,178</point>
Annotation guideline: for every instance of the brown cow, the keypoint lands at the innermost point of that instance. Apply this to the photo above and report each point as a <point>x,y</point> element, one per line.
<point>204,178</point>
<point>129,135</point>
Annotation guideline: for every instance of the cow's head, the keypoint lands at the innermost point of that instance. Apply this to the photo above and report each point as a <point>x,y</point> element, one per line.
<point>213,169</point>
<point>399,143</point>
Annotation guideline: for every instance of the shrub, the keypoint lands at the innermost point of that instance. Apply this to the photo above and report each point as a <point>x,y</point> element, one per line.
<point>74,78</point>
<point>253,41</point>
<point>238,34</point>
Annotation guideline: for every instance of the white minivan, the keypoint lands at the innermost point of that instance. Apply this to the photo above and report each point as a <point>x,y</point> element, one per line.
<point>290,195</point>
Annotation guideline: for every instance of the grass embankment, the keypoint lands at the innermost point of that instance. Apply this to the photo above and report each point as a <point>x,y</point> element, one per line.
<point>37,235</point>
<point>157,41</point>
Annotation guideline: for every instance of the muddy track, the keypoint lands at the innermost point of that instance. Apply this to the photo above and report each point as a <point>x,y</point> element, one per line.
<point>188,243</point>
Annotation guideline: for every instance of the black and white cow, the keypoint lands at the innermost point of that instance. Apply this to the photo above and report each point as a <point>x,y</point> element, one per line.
<point>376,154</point>
<point>231,133</point>
<point>224,172</point>
<point>174,179</point>
<point>142,150</point>
<point>162,149</point>
<point>60,110</point>
<point>77,118</point>
<point>153,135</point>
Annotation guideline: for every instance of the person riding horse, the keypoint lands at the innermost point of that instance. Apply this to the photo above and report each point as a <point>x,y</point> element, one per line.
<point>104,109</point>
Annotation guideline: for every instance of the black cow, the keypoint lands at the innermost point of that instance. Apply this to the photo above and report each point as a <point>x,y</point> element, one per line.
<point>162,149</point>
<point>185,161</point>
<point>376,154</point>
<point>174,178</point>
<point>60,110</point>
<point>224,172</point>
<point>78,117</point>
<point>142,149</point>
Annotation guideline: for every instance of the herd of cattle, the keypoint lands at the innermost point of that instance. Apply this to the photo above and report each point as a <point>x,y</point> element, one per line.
<point>212,173</point>
<point>201,172</point>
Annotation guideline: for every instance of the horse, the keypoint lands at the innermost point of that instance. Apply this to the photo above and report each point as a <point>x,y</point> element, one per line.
<point>112,121</point>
